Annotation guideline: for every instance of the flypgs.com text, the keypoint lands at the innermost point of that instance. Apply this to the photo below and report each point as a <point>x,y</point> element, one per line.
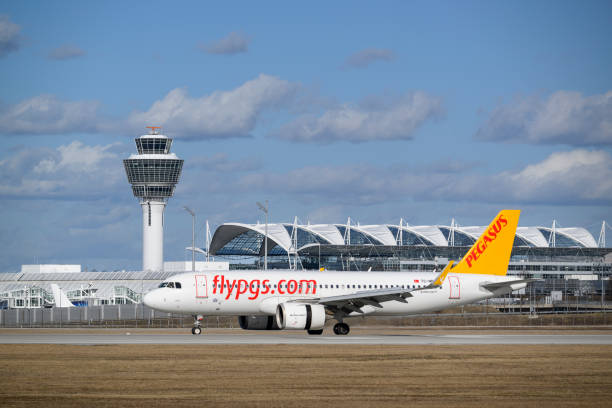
<point>256,287</point>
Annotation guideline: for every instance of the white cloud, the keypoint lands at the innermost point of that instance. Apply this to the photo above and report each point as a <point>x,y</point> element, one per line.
<point>578,177</point>
<point>221,114</point>
<point>45,114</point>
<point>9,36</point>
<point>562,118</point>
<point>374,119</point>
<point>71,172</point>
<point>233,43</point>
<point>363,58</point>
<point>65,52</point>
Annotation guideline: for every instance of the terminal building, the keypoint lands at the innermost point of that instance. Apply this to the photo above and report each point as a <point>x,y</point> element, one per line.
<point>569,259</point>
<point>566,259</point>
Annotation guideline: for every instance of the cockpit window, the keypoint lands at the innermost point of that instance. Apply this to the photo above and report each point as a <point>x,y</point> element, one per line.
<point>171,285</point>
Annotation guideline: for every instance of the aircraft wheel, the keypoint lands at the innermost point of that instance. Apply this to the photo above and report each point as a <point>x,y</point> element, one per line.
<point>341,329</point>
<point>315,331</point>
<point>196,330</point>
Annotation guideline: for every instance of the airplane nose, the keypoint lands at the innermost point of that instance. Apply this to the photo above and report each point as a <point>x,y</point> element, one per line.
<point>148,300</point>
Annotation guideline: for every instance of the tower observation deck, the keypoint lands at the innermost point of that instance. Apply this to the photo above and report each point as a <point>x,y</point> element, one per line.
<point>153,174</point>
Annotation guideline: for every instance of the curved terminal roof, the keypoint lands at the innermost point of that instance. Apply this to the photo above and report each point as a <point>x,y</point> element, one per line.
<point>247,239</point>
<point>570,237</point>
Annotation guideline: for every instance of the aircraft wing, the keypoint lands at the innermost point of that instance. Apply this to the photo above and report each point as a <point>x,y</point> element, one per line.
<point>499,285</point>
<point>353,302</point>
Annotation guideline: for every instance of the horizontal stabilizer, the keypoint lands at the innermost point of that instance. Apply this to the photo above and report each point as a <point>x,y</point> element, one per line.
<point>498,285</point>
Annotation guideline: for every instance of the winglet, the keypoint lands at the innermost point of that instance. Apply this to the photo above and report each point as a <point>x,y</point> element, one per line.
<point>490,254</point>
<point>443,274</point>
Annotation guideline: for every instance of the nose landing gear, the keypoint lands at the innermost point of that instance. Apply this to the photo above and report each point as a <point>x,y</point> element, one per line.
<point>197,324</point>
<point>341,329</point>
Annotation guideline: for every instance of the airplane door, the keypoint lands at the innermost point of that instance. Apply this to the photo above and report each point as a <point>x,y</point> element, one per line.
<point>201,286</point>
<point>455,287</point>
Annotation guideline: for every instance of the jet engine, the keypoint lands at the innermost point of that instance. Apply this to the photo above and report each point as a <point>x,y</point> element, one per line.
<point>257,322</point>
<point>300,316</point>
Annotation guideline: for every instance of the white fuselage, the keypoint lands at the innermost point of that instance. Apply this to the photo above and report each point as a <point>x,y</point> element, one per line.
<point>218,293</point>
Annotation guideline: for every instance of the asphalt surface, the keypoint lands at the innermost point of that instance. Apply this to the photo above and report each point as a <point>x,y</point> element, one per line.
<point>301,338</point>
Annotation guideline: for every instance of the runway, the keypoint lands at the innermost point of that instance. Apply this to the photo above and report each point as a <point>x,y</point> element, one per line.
<point>303,339</point>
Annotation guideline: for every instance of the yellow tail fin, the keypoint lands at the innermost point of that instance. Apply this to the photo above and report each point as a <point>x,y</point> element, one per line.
<point>491,252</point>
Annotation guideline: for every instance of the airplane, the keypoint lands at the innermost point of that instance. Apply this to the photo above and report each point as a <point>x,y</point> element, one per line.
<point>304,300</point>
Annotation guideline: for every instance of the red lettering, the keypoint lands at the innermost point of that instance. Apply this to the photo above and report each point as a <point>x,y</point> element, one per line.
<point>280,286</point>
<point>480,251</point>
<point>230,288</point>
<point>486,240</point>
<point>475,254</point>
<point>215,282</point>
<point>497,227</point>
<point>254,289</point>
<point>468,259</point>
<point>242,288</point>
<point>503,220</point>
<point>308,284</point>
<point>291,287</point>
<point>266,285</point>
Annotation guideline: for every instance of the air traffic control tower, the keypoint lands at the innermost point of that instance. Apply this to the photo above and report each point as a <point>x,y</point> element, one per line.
<point>153,174</point>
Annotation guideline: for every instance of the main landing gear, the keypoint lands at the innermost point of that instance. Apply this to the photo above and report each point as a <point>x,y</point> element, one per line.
<point>197,324</point>
<point>341,329</point>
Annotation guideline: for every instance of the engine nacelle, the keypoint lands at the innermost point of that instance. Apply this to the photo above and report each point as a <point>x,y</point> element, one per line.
<point>300,316</point>
<point>257,322</point>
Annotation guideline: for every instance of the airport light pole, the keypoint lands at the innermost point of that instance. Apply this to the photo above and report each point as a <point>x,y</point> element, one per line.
<point>265,210</point>
<point>192,237</point>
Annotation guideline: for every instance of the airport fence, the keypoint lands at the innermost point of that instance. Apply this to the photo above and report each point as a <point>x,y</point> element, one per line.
<point>138,315</point>
<point>130,315</point>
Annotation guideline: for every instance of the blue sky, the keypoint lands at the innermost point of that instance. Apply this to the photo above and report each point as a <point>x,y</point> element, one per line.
<point>420,110</point>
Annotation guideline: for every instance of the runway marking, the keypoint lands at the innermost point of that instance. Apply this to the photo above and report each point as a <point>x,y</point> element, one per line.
<point>253,338</point>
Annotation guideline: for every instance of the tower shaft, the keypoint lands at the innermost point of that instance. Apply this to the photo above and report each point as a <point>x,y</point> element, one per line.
<point>153,235</point>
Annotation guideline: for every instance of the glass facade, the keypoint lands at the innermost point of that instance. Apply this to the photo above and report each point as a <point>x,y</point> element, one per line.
<point>153,191</point>
<point>153,145</point>
<point>409,238</point>
<point>305,237</point>
<point>561,240</point>
<point>153,170</point>
<point>248,243</point>
<point>461,239</point>
<point>358,238</point>
<point>520,242</point>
